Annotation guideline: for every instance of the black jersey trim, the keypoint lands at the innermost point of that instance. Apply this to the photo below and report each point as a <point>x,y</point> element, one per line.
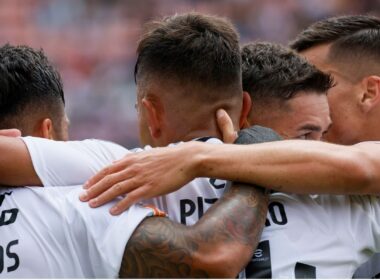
<point>203,139</point>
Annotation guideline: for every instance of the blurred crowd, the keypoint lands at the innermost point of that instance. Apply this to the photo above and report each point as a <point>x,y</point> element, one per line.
<point>93,43</point>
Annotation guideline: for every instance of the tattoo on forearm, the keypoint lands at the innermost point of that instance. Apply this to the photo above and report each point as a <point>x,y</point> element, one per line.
<point>158,249</point>
<point>162,248</point>
<point>241,213</point>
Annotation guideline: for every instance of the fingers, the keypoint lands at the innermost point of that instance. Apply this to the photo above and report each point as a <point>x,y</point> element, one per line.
<point>101,193</point>
<point>10,132</point>
<point>107,188</point>
<point>226,126</point>
<point>109,193</point>
<point>116,167</point>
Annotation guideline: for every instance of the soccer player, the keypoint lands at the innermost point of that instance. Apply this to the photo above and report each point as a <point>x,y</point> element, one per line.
<point>347,48</point>
<point>181,207</point>
<point>288,95</point>
<point>345,228</point>
<point>48,232</point>
<point>187,65</point>
<point>31,94</point>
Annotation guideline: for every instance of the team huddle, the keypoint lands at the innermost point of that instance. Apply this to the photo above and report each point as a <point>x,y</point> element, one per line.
<point>195,202</point>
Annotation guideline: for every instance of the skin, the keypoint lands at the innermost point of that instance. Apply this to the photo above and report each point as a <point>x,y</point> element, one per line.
<point>355,113</point>
<point>289,166</point>
<point>354,100</point>
<point>10,132</point>
<point>218,245</point>
<point>16,163</point>
<point>305,116</point>
<point>47,129</point>
<point>163,119</point>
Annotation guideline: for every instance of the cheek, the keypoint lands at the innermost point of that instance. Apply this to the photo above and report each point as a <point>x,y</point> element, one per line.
<point>337,107</point>
<point>343,122</point>
<point>315,136</point>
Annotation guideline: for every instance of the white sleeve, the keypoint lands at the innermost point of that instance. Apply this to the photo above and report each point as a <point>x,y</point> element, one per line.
<point>109,236</point>
<point>68,163</point>
<point>98,238</point>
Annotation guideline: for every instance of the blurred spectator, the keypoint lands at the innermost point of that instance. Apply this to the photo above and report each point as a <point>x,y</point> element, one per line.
<point>93,43</point>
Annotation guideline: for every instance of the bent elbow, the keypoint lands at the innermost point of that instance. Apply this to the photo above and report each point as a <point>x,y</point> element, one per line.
<point>226,262</point>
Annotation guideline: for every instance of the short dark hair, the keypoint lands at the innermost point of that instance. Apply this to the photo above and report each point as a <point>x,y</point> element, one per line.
<point>331,29</point>
<point>194,49</point>
<point>29,85</point>
<point>272,71</point>
<point>361,49</point>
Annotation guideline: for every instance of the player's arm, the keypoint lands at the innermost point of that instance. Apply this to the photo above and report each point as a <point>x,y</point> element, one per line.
<point>219,245</point>
<point>44,162</point>
<point>16,168</point>
<point>13,132</point>
<point>353,169</point>
<point>296,166</point>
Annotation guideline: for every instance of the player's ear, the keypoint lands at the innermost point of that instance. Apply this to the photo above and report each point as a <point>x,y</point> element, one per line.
<point>153,110</point>
<point>246,108</point>
<point>45,129</point>
<point>371,94</point>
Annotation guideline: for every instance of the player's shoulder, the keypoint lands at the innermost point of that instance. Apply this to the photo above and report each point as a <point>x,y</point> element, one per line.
<point>90,144</point>
<point>101,146</point>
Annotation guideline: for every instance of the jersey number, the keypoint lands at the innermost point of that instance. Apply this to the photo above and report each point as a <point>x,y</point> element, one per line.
<point>10,255</point>
<point>8,217</point>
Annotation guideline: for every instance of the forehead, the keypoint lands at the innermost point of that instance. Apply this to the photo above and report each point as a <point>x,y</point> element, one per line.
<point>318,56</point>
<point>310,108</point>
<point>308,101</point>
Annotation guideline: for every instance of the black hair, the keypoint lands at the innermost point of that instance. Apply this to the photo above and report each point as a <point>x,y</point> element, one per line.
<point>198,50</point>
<point>272,71</point>
<point>29,85</point>
<point>331,29</point>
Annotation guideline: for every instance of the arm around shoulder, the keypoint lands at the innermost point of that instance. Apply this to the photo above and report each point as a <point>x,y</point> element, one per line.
<point>219,245</point>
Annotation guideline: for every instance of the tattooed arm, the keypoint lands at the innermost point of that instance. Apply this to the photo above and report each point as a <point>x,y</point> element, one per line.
<point>219,245</point>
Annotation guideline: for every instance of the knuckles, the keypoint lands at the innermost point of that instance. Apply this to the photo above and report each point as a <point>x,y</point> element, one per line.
<point>117,188</point>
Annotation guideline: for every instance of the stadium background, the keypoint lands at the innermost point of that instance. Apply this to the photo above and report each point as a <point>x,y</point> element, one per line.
<point>93,42</point>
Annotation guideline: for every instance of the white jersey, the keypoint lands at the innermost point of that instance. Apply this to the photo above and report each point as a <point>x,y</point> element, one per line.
<point>74,162</point>
<point>305,235</point>
<point>49,233</point>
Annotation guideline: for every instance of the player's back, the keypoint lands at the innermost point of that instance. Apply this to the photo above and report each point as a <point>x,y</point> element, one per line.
<point>48,232</point>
